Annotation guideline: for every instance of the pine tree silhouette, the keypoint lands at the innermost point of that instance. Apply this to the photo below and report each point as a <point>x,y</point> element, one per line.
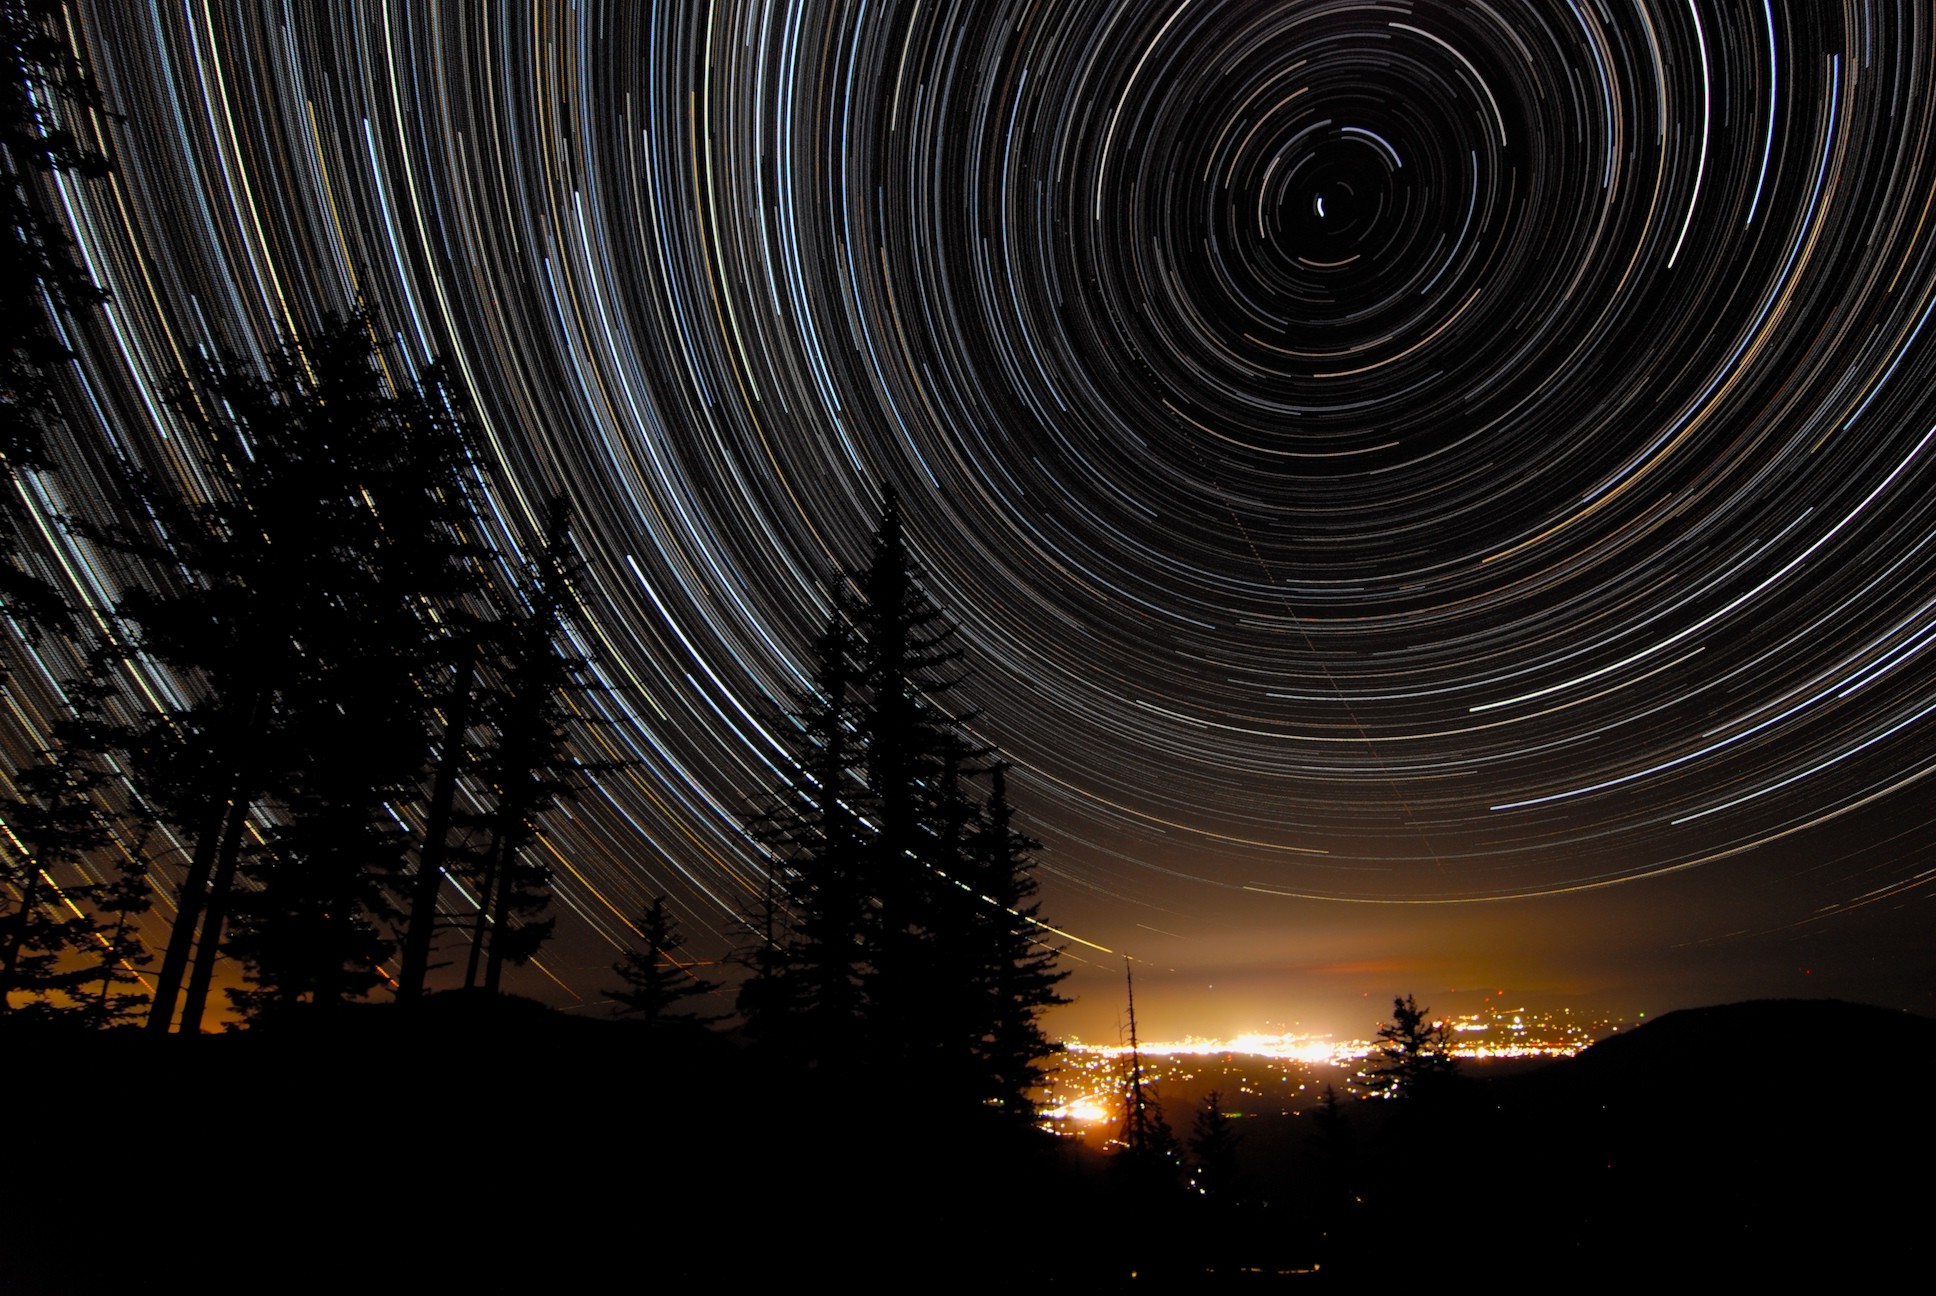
<point>1213,1150</point>
<point>807,960</point>
<point>531,764</point>
<point>1415,1061</point>
<point>899,924</point>
<point>1013,965</point>
<point>658,985</point>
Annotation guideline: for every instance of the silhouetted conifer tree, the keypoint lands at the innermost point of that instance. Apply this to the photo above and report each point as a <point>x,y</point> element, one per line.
<point>1145,1166</point>
<point>899,927</point>
<point>1216,1181</point>
<point>531,763</point>
<point>1331,1132</point>
<point>456,706</point>
<point>807,959</point>
<point>51,113</point>
<point>1012,965</point>
<point>911,754</point>
<point>658,986</point>
<point>1147,1157</point>
<point>1336,1166</point>
<point>1213,1152</point>
<point>509,701</point>
<point>767,997</point>
<point>1415,1060</point>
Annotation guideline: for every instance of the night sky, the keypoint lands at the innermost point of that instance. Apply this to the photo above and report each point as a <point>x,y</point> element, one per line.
<point>1438,497</point>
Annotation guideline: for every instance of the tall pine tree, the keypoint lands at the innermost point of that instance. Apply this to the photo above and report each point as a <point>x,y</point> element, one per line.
<point>806,961</point>
<point>1015,969</point>
<point>900,926</point>
<point>533,762</point>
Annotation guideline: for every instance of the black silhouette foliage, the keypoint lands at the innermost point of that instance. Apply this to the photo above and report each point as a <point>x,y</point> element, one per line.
<point>297,592</point>
<point>659,987</point>
<point>1213,1151</point>
<point>69,888</point>
<point>535,712</point>
<point>899,928</point>
<point>50,109</point>
<point>1414,1059</point>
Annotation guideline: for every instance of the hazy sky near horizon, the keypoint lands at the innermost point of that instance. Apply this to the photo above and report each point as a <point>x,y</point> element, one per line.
<point>1436,495</point>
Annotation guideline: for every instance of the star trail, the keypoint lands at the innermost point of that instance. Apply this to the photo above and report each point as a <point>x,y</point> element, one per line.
<point>1453,457</point>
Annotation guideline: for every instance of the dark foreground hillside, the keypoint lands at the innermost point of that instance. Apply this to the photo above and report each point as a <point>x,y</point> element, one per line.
<point>479,1141</point>
<point>1777,1137</point>
<point>497,1146</point>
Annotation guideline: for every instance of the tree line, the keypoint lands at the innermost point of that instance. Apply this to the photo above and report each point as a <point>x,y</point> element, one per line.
<point>325,679</point>
<point>344,694</point>
<point>365,694</point>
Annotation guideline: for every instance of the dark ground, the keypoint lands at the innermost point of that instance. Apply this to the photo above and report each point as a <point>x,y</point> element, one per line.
<point>498,1146</point>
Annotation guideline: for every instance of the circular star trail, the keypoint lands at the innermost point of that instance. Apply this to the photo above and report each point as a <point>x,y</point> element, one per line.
<point>1375,451</point>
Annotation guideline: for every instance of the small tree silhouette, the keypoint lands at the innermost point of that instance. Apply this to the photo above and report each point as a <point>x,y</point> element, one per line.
<point>1415,1061</point>
<point>1213,1147</point>
<point>658,985</point>
<point>1338,1217</point>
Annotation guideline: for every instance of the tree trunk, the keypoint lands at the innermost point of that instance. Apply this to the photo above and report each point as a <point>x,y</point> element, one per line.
<point>480,926</point>
<point>428,882</point>
<point>188,912</point>
<point>223,881</point>
<point>507,854</point>
<point>198,899</point>
<point>17,935</point>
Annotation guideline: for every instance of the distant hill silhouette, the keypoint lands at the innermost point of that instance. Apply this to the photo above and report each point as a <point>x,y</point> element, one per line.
<point>1775,1137</point>
<point>1682,1038</point>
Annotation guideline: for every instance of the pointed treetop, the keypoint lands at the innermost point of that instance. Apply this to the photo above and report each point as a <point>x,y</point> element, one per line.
<point>890,537</point>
